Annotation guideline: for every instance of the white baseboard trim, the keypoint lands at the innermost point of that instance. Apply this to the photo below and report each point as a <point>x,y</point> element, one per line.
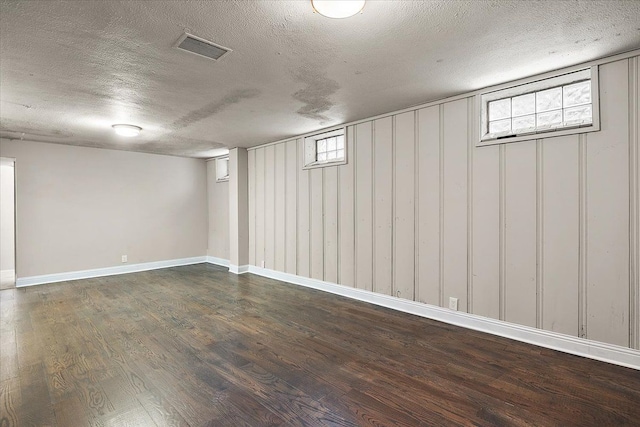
<point>7,275</point>
<point>107,271</point>
<point>217,261</point>
<point>610,353</point>
<point>238,269</point>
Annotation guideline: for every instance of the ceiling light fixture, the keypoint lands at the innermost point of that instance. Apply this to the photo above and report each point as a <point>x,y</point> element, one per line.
<point>127,130</point>
<point>337,8</point>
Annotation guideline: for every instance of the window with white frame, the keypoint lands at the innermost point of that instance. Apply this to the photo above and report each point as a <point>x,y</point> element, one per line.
<point>564,104</point>
<point>325,149</point>
<point>222,169</point>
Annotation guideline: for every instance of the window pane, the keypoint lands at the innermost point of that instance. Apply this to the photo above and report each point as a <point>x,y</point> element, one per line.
<point>577,94</point>
<point>500,109</point>
<point>331,155</point>
<point>580,114</point>
<point>331,144</point>
<point>524,122</point>
<point>500,126</point>
<point>523,105</point>
<point>549,119</point>
<point>340,154</point>
<point>549,99</point>
<point>322,157</point>
<point>321,146</point>
<point>542,106</point>
<point>340,139</point>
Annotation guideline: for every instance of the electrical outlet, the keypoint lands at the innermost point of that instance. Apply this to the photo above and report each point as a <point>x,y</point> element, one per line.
<point>453,303</point>
<point>124,258</point>
<point>262,264</point>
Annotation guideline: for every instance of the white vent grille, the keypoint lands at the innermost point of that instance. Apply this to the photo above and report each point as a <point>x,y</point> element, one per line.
<point>202,47</point>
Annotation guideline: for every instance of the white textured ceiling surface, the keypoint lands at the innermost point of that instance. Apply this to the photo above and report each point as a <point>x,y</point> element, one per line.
<point>71,69</point>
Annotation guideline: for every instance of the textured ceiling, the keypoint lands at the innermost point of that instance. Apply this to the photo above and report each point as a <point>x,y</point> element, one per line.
<point>69,70</point>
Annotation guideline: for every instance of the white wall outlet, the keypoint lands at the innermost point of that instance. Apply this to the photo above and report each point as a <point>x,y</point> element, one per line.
<point>124,258</point>
<point>453,303</point>
<point>262,264</point>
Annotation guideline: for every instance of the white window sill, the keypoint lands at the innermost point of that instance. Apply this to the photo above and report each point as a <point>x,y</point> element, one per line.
<point>539,134</point>
<point>326,164</point>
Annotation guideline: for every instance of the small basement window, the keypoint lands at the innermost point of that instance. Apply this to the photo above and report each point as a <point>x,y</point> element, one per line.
<point>559,105</point>
<point>325,149</point>
<point>222,169</point>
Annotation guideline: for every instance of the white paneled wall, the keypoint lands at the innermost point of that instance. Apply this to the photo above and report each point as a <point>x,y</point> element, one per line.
<point>541,233</point>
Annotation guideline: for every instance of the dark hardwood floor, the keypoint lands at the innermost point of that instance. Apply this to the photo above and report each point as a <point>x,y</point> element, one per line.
<point>196,346</point>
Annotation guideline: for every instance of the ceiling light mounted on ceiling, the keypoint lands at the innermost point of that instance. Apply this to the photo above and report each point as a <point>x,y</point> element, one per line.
<point>337,8</point>
<point>127,130</point>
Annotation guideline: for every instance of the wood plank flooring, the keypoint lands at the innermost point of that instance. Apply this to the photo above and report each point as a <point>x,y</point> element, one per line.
<point>197,346</point>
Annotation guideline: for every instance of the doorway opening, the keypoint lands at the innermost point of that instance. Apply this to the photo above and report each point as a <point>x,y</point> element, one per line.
<point>7,223</point>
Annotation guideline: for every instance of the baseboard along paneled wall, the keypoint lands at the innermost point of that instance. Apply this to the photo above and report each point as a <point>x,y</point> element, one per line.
<point>541,233</point>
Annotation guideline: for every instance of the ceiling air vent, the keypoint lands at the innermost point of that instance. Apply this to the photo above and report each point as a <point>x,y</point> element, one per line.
<point>201,47</point>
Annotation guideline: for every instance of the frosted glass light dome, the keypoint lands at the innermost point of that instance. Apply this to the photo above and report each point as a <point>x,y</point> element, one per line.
<point>128,131</point>
<point>337,8</point>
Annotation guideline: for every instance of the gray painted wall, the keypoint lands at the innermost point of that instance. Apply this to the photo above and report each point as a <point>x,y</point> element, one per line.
<point>218,208</point>
<point>7,252</point>
<point>83,208</point>
<point>238,207</point>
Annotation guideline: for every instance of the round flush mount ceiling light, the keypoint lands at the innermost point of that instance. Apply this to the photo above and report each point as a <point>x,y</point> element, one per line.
<point>337,8</point>
<point>127,130</point>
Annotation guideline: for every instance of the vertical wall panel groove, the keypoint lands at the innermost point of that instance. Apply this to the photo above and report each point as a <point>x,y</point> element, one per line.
<point>539,233</point>
<point>416,206</point>
<point>252,206</point>
<point>373,206</point>
<point>303,243</point>
<point>394,290</point>
<point>291,202</point>
<point>280,211</point>
<point>285,207</point>
<point>471,135</point>
<point>441,210</point>
<point>355,206</point>
<point>634,203</point>
<point>270,207</point>
<point>339,223</point>
<point>502,249</point>
<point>310,219</point>
<point>582,270</point>
<point>323,243</point>
<point>260,217</point>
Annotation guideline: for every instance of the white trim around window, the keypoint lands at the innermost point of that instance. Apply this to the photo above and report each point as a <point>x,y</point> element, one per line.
<point>534,89</point>
<point>222,169</point>
<point>318,155</point>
